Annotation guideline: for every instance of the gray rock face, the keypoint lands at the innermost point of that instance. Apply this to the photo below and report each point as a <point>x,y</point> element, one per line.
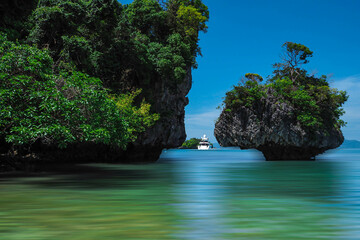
<point>169,131</point>
<point>270,127</point>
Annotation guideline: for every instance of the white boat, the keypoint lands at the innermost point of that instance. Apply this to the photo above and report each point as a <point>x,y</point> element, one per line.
<point>204,144</point>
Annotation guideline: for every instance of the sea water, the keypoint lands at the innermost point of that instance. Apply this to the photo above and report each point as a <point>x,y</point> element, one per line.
<point>188,194</point>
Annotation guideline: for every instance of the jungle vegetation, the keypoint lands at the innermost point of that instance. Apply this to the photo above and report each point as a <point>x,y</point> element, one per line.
<point>315,104</point>
<point>74,71</point>
<point>192,143</point>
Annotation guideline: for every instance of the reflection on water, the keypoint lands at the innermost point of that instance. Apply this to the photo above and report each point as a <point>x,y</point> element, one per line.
<point>220,194</point>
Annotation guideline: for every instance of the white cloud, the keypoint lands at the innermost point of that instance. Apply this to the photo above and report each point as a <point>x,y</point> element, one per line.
<point>352,107</point>
<point>203,119</point>
<point>347,83</point>
<point>201,123</point>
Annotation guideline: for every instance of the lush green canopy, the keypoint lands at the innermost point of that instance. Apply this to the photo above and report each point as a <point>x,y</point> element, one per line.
<point>70,70</point>
<point>37,103</point>
<point>315,104</point>
<point>121,44</point>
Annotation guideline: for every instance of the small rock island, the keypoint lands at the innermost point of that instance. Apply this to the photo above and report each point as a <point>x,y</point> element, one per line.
<point>294,116</point>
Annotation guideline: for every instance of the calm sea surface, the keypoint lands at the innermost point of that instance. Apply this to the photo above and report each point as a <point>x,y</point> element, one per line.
<point>188,194</point>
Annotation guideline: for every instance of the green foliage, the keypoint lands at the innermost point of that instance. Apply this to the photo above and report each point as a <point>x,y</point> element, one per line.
<point>191,18</point>
<point>191,11</point>
<point>138,118</point>
<point>315,105</point>
<point>307,110</point>
<point>147,16</point>
<point>53,19</point>
<point>293,57</point>
<point>82,86</point>
<point>172,58</point>
<point>192,143</point>
<point>254,77</point>
<point>297,52</point>
<point>13,15</point>
<point>64,108</point>
<point>245,94</point>
<point>139,42</point>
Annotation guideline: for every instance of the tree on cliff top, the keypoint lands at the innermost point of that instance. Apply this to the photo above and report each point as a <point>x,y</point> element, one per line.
<point>253,77</point>
<point>315,105</point>
<point>293,57</point>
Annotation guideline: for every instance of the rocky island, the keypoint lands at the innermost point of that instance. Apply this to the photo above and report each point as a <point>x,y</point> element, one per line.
<point>294,116</point>
<point>95,81</point>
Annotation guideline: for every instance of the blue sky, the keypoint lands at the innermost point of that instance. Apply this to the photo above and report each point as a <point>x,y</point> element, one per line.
<point>246,36</point>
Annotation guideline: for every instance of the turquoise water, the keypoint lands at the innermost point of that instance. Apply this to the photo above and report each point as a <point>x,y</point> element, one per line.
<point>188,194</point>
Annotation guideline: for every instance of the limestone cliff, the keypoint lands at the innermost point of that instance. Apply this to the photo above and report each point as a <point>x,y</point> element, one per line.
<point>270,126</point>
<point>169,132</point>
<point>102,47</point>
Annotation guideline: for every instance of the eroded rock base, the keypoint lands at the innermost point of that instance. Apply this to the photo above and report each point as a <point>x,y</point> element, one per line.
<point>279,153</point>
